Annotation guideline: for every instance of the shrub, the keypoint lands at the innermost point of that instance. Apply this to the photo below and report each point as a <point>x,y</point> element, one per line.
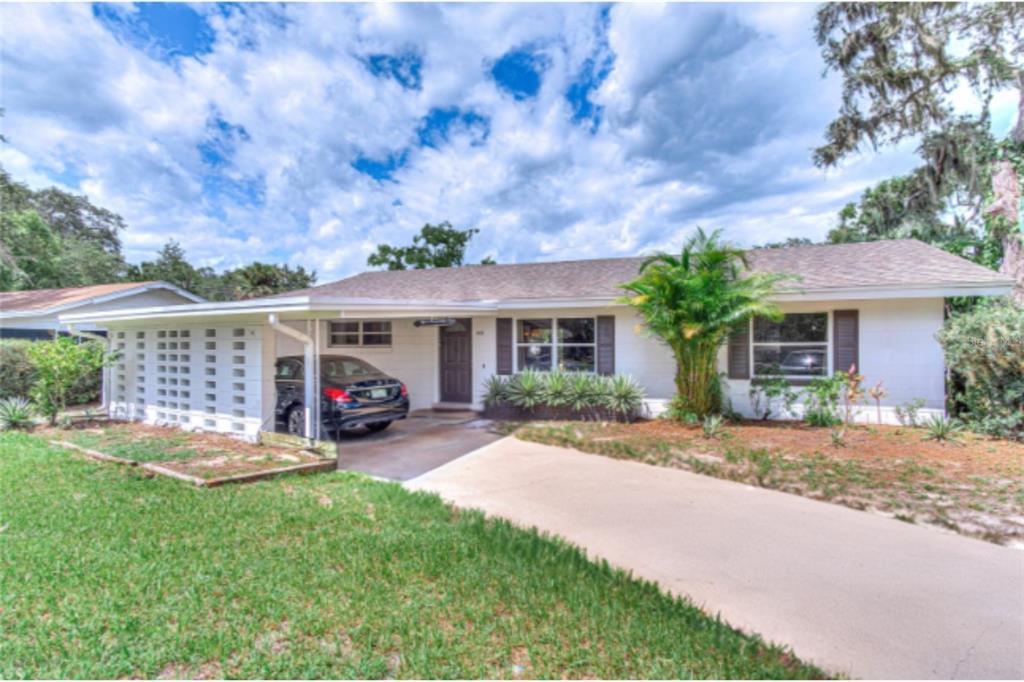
<point>906,413</point>
<point>59,366</point>
<point>567,394</point>
<point>712,426</point>
<point>496,391</point>
<point>766,390</point>
<point>625,395</point>
<point>526,390</point>
<point>942,429</point>
<point>821,405</point>
<point>985,349</point>
<point>15,413</point>
<point>556,389</point>
<point>17,374</point>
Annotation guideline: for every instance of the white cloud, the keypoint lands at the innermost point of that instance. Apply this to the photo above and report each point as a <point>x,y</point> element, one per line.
<point>709,115</point>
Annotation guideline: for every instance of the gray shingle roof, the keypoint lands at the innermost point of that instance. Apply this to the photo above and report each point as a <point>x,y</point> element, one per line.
<point>832,266</point>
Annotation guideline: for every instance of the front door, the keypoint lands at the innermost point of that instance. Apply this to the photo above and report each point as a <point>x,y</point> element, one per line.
<point>457,362</point>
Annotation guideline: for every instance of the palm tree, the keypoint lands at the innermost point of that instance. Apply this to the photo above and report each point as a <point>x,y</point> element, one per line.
<point>693,302</point>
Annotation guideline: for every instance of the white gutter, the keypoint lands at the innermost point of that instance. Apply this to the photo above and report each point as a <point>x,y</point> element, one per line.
<point>310,375</point>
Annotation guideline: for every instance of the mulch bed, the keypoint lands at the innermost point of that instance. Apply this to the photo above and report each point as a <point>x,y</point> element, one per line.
<point>973,455</point>
<point>202,458</point>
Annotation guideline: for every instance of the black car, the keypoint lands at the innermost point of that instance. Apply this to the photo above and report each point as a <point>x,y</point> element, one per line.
<point>352,393</point>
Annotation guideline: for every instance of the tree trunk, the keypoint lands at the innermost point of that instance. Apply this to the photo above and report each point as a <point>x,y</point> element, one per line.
<point>1013,248</point>
<point>1006,203</point>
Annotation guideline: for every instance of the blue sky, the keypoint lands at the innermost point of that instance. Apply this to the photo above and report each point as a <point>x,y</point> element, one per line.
<point>308,134</point>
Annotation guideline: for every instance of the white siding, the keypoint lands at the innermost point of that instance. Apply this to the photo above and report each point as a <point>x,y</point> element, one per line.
<point>897,345</point>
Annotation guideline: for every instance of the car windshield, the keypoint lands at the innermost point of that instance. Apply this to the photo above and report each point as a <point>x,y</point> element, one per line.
<point>346,368</point>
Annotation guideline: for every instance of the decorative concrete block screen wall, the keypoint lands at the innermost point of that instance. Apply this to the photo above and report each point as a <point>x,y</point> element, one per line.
<point>206,377</point>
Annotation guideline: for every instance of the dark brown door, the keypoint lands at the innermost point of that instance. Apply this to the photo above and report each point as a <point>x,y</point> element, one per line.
<point>457,362</point>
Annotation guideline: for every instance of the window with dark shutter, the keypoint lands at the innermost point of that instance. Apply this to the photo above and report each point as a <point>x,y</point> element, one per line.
<point>845,340</point>
<point>504,345</point>
<point>606,344</point>
<point>739,354</point>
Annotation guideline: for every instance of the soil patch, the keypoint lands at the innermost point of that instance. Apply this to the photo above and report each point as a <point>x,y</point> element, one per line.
<point>197,454</point>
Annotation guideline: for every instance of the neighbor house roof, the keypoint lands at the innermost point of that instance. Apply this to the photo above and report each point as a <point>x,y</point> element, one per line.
<point>888,264</point>
<point>44,301</point>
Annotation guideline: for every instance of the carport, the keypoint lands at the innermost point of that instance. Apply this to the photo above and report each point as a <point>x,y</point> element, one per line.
<point>211,366</point>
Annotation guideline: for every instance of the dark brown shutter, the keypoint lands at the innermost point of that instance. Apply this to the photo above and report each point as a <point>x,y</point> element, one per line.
<point>606,344</point>
<point>739,354</point>
<point>845,340</point>
<point>504,345</point>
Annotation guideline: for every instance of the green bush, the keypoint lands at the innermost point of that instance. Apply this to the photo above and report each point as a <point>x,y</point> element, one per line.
<point>17,375</point>
<point>985,348</point>
<point>821,402</point>
<point>60,366</point>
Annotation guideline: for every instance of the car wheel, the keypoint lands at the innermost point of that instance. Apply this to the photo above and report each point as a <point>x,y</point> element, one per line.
<point>296,421</point>
<point>378,426</point>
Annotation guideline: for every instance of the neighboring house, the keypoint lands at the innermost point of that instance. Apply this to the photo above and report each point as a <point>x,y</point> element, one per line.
<point>445,331</point>
<point>34,314</point>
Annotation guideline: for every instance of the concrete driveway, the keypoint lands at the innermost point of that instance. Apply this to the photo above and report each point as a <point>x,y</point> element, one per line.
<point>413,446</point>
<point>852,591</point>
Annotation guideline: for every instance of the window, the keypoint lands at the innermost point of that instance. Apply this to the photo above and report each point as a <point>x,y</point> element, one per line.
<point>568,343</point>
<point>356,333</point>
<point>795,347</point>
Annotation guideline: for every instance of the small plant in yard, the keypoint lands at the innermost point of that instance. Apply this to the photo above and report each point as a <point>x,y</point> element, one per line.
<point>555,392</point>
<point>496,391</point>
<point>625,395</point>
<point>771,392</point>
<point>526,390</point>
<point>838,437</point>
<point>59,365</point>
<point>878,393</point>
<point>713,426</point>
<point>943,430</point>
<point>822,403</point>
<point>853,393</point>
<point>15,413</point>
<point>907,413</point>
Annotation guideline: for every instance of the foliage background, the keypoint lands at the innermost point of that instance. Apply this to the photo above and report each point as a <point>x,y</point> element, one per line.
<point>17,374</point>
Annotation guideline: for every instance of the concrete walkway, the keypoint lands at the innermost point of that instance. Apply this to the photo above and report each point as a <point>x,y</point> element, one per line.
<point>854,592</point>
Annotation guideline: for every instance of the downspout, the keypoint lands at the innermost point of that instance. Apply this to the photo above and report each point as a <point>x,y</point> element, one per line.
<point>105,384</point>
<point>309,396</point>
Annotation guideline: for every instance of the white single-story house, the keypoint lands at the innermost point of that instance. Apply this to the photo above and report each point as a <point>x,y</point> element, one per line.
<point>444,332</point>
<point>34,314</point>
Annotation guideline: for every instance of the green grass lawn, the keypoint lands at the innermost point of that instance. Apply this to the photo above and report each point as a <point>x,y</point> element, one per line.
<point>105,573</point>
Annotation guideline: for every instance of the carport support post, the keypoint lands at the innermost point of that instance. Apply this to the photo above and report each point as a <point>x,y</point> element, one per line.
<point>309,375</point>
